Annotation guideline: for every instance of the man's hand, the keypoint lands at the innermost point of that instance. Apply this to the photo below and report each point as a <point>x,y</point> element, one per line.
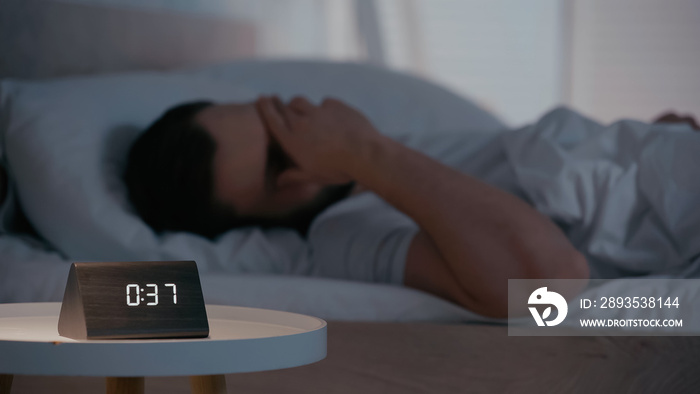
<point>671,117</point>
<point>322,140</point>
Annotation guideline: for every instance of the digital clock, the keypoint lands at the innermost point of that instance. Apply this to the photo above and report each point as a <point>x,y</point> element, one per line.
<point>135,299</point>
<point>129,300</point>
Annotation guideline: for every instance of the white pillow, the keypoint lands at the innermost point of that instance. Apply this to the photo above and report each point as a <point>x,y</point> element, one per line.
<point>65,142</point>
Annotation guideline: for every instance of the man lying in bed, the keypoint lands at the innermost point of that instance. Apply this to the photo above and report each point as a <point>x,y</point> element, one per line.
<point>207,168</point>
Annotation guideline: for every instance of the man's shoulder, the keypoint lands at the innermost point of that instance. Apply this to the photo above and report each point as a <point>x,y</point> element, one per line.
<point>359,209</point>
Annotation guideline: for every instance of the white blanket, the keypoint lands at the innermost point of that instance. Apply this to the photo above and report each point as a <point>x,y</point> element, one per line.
<point>627,195</point>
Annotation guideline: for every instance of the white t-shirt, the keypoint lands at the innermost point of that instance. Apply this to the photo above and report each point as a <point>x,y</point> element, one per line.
<point>364,238</point>
<point>361,238</point>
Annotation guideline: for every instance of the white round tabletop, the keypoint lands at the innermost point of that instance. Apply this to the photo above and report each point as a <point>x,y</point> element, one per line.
<point>240,340</point>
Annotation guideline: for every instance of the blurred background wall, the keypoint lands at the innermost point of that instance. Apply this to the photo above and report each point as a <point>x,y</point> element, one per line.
<point>607,58</point>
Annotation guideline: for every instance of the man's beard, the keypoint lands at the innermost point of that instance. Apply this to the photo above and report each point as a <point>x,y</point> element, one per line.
<point>301,218</point>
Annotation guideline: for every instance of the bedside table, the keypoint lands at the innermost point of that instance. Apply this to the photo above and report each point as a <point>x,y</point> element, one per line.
<point>240,340</point>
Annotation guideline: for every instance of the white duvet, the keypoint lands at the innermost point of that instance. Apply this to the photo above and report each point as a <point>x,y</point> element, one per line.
<point>627,195</point>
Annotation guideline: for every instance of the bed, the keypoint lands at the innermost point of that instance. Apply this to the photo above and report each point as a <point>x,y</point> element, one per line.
<point>67,121</point>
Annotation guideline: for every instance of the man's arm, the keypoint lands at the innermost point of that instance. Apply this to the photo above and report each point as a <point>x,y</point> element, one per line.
<point>473,236</point>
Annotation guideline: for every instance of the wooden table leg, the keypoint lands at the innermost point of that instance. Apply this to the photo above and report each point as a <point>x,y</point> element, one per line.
<point>5,383</point>
<point>125,385</point>
<point>210,384</point>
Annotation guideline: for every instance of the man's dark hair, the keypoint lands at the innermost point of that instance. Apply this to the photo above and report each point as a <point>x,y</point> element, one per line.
<point>169,175</point>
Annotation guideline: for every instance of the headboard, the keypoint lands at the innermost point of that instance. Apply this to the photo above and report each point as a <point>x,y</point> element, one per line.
<point>48,38</point>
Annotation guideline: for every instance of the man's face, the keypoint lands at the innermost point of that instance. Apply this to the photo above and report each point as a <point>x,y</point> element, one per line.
<point>254,176</point>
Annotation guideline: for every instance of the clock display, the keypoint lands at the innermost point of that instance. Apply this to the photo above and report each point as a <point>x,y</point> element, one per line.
<point>136,298</point>
<point>161,299</point>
